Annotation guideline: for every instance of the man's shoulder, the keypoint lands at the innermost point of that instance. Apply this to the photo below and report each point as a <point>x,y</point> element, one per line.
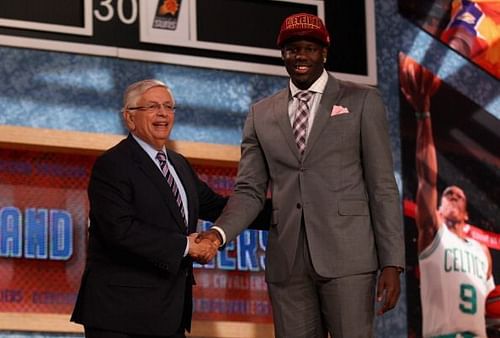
<point>353,90</point>
<point>353,86</point>
<point>272,98</point>
<point>120,150</point>
<point>119,147</point>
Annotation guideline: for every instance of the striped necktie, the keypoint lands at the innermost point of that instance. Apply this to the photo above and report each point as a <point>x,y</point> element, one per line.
<point>162,158</point>
<point>300,122</point>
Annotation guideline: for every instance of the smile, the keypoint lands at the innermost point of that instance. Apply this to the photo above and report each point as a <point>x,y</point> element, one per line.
<point>301,68</point>
<point>160,124</point>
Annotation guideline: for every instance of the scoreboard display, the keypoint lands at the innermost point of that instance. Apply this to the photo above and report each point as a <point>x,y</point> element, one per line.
<point>236,35</point>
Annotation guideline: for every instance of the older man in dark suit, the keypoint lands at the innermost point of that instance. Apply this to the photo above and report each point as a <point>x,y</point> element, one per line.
<point>322,145</point>
<point>145,201</point>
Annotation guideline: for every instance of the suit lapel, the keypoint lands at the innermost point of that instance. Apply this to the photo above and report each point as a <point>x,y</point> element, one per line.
<point>184,174</point>
<point>280,110</point>
<point>330,96</point>
<point>146,165</point>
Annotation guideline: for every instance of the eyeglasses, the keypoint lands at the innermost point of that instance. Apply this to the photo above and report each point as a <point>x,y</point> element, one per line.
<point>154,107</point>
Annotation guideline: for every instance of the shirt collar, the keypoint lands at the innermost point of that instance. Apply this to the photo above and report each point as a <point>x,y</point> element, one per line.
<point>148,148</point>
<point>317,87</point>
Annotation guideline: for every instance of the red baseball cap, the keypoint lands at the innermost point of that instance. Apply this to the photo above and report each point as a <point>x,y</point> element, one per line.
<point>303,25</point>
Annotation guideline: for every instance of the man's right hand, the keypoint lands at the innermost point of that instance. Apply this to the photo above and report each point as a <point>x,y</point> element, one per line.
<point>201,250</point>
<point>212,235</point>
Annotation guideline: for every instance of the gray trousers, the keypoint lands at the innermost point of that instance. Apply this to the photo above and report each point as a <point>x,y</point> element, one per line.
<point>310,306</point>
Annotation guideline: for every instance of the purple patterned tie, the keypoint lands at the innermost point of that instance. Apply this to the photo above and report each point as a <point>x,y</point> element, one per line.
<point>300,122</point>
<point>162,158</point>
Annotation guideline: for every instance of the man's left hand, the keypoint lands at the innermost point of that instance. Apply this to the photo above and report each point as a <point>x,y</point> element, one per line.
<point>388,289</point>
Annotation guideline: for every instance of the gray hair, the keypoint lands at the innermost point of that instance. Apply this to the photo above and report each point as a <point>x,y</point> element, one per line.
<point>137,89</point>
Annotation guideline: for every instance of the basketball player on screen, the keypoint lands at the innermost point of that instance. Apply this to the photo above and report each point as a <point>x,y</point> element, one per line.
<point>455,271</point>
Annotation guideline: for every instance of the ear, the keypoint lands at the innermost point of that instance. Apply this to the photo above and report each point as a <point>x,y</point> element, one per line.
<point>282,54</point>
<point>324,54</point>
<point>129,118</point>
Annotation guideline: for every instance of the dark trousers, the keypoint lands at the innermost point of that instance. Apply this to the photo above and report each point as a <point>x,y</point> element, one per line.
<point>98,333</point>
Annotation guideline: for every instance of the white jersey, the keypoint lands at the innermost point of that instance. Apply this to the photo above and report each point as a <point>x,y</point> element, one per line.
<point>454,286</point>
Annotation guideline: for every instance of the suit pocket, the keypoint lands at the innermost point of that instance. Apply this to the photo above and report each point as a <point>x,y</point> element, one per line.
<point>341,117</point>
<point>353,208</point>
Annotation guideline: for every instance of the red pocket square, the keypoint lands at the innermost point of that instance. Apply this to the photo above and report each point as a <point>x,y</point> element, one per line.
<point>337,110</point>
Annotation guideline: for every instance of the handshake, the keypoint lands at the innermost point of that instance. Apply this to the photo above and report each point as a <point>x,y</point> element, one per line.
<point>203,246</point>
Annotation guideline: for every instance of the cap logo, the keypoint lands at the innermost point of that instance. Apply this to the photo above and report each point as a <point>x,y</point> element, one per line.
<point>303,25</point>
<point>302,22</point>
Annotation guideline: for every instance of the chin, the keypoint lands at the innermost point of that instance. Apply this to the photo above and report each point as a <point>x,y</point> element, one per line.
<point>301,82</point>
<point>163,135</point>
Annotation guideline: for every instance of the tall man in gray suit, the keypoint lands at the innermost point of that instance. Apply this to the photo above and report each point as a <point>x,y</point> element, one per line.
<point>322,145</point>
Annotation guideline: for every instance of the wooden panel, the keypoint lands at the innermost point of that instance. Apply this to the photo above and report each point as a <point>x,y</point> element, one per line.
<point>60,323</point>
<point>76,142</point>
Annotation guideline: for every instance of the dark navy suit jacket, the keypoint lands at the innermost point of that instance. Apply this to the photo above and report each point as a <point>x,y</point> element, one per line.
<point>136,279</point>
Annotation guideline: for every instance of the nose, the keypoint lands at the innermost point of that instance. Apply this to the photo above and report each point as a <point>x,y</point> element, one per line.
<point>300,57</point>
<point>161,112</point>
<point>301,53</point>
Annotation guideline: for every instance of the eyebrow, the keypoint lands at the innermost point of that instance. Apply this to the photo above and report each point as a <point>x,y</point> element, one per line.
<point>158,102</point>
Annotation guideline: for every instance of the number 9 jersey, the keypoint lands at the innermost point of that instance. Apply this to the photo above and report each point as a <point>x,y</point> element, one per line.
<point>454,285</point>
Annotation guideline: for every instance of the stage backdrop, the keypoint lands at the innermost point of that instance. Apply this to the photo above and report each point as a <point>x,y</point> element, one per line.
<point>466,139</point>
<point>470,27</point>
<point>222,34</point>
<point>43,229</point>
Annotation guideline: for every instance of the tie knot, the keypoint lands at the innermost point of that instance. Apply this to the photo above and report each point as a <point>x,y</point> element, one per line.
<point>304,95</point>
<point>160,156</point>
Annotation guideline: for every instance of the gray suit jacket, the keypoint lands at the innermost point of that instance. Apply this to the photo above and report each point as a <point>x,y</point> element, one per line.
<point>344,185</point>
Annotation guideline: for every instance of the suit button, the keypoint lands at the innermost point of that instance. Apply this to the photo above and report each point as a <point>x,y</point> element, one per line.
<point>299,206</point>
